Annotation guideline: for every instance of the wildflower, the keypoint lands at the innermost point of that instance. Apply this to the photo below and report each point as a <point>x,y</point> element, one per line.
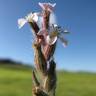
<point>29,18</point>
<point>56,33</point>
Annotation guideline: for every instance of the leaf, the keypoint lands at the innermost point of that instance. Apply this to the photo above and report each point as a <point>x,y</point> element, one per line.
<point>35,80</point>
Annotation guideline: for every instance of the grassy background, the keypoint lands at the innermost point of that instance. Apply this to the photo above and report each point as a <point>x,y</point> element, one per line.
<point>17,81</point>
<point>76,84</point>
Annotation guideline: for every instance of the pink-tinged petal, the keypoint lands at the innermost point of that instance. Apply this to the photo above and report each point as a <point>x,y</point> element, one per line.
<point>52,40</point>
<point>41,5</point>
<point>47,6</point>
<point>53,5</point>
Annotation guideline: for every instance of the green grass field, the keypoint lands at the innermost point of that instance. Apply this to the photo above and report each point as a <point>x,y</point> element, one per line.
<point>15,81</point>
<point>18,82</point>
<point>76,84</point>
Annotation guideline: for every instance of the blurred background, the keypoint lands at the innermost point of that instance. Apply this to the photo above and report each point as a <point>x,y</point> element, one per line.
<point>76,64</point>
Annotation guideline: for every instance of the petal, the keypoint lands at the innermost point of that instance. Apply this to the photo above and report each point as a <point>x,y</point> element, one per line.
<point>47,6</point>
<point>41,5</point>
<point>35,17</point>
<point>64,41</point>
<point>32,16</point>
<point>53,5</point>
<point>50,6</point>
<point>51,41</point>
<point>66,31</point>
<point>29,17</point>
<point>21,22</point>
<point>55,25</point>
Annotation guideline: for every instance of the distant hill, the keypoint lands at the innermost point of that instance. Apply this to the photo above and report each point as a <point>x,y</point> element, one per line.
<point>8,63</point>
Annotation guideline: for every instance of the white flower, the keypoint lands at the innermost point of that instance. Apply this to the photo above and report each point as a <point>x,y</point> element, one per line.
<point>47,6</point>
<point>29,18</point>
<point>56,32</point>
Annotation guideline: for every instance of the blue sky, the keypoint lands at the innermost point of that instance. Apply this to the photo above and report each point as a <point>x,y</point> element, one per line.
<point>78,16</point>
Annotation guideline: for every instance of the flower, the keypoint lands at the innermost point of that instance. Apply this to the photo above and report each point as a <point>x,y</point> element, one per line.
<point>47,6</point>
<point>29,18</point>
<point>56,32</point>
